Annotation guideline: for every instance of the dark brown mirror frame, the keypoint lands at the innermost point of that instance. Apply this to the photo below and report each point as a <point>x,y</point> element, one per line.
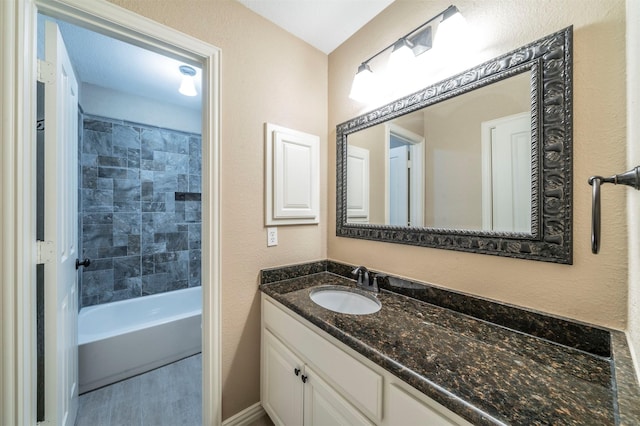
<point>549,60</point>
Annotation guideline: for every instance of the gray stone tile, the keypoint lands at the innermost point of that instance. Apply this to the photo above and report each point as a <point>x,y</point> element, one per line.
<point>125,405</point>
<point>133,158</point>
<point>126,206</point>
<point>148,265</point>
<point>195,238</point>
<point>195,183</point>
<point>120,240</point>
<point>95,236</point>
<point>126,136</point>
<point>176,142</point>
<point>97,218</point>
<point>177,163</point>
<point>98,264</point>
<point>113,172</point>
<point>153,207</point>
<point>89,177</point>
<point>183,183</point>
<point>178,271</point>
<point>96,143</point>
<point>153,284</point>
<point>164,221</point>
<point>131,286</point>
<point>152,165</point>
<point>177,241</point>
<point>126,223</point>
<point>90,160</point>
<point>107,161</point>
<point>104,183</point>
<point>97,200</point>
<point>110,252</point>
<point>133,245</point>
<point>170,395</point>
<point>153,248</point>
<point>164,182</point>
<point>146,191</point>
<point>97,125</point>
<point>96,283</point>
<point>120,152</point>
<point>126,267</point>
<point>126,189</point>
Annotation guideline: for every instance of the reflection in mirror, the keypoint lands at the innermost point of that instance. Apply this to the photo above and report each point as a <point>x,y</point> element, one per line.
<point>480,162</point>
<point>464,163</point>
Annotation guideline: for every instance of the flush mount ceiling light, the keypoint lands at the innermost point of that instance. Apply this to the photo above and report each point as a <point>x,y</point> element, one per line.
<point>412,44</point>
<point>187,87</point>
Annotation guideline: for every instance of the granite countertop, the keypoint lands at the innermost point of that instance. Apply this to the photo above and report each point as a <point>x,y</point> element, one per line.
<point>486,373</point>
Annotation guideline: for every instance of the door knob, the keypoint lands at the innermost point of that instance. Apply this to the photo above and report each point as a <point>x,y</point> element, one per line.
<point>86,262</point>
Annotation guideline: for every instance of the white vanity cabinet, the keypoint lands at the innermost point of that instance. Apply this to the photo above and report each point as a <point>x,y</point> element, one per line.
<point>293,394</point>
<point>310,378</point>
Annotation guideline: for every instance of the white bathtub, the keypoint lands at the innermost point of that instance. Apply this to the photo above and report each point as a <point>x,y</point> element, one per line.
<point>121,339</point>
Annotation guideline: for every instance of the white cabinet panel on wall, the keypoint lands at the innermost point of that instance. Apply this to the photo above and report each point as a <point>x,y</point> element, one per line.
<point>292,176</point>
<point>358,184</point>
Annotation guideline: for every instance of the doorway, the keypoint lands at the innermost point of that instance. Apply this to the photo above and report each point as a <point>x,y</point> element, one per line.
<point>19,390</point>
<point>138,232</point>
<point>405,177</point>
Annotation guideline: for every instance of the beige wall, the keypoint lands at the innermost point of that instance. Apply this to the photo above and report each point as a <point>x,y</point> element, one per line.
<point>267,76</point>
<point>633,160</point>
<point>594,288</point>
<point>454,199</point>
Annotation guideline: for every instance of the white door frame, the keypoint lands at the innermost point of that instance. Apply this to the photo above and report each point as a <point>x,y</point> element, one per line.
<point>17,188</point>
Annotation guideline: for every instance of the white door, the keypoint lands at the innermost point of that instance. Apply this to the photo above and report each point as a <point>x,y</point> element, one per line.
<point>61,228</point>
<point>506,193</point>
<point>399,184</point>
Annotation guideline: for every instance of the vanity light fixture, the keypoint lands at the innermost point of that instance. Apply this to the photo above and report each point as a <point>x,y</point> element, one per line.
<point>187,87</point>
<point>452,29</point>
<point>412,44</point>
<point>402,55</point>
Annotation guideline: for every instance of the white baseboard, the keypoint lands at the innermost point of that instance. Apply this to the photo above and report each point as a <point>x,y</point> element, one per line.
<point>246,416</point>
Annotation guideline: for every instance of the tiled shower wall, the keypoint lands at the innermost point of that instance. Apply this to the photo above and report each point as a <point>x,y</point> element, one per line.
<point>140,209</point>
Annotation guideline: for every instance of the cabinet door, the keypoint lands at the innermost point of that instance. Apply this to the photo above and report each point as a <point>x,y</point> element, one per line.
<point>282,387</point>
<point>323,406</point>
<point>404,409</point>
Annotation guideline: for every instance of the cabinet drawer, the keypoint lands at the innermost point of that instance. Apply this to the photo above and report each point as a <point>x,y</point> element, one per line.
<point>358,384</point>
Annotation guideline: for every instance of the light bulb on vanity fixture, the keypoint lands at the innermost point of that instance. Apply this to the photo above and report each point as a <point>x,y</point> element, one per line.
<point>451,31</point>
<point>403,56</point>
<point>362,83</point>
<point>187,87</point>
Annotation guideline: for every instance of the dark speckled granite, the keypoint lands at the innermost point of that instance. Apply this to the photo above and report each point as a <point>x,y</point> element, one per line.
<point>569,333</point>
<point>485,372</point>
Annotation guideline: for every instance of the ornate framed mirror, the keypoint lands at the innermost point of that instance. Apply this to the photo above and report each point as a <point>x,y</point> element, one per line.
<point>480,162</point>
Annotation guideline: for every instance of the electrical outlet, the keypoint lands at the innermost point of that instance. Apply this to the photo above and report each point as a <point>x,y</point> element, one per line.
<point>272,237</point>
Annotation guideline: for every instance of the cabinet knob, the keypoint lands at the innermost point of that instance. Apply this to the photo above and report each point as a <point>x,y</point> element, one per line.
<point>304,379</point>
<point>296,370</point>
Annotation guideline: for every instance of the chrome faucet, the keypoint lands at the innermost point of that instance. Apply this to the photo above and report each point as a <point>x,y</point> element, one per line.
<point>365,279</point>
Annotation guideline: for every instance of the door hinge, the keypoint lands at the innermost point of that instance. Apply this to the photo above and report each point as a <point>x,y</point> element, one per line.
<point>46,72</point>
<point>46,251</point>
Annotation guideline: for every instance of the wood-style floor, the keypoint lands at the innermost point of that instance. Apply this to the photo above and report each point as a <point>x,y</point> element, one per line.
<point>170,395</point>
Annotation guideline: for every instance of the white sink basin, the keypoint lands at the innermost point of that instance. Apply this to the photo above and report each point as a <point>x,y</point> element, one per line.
<point>345,300</point>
